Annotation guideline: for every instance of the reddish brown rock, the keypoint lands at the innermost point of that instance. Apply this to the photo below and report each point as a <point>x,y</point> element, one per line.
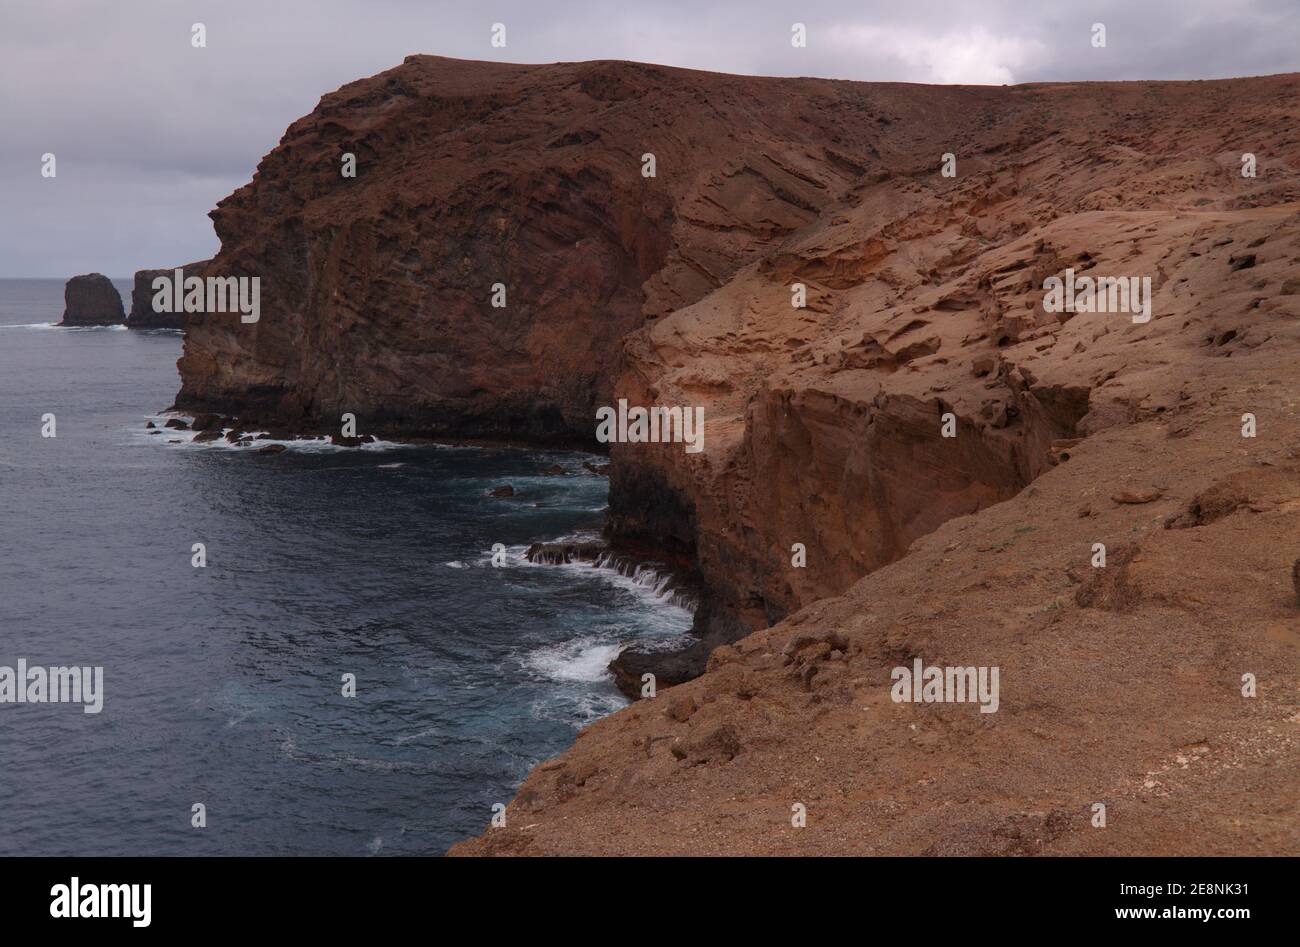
<point>377,290</point>
<point>828,498</point>
<point>1135,497</point>
<point>821,422</point>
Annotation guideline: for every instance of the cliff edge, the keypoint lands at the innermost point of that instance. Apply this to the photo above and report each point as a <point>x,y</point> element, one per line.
<point>908,452</point>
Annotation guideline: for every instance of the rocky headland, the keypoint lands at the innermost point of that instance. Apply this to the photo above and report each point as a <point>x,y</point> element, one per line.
<point>833,529</point>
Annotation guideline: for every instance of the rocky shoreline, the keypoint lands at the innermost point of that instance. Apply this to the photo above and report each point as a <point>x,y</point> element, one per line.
<point>680,587</point>
<point>668,667</point>
<point>908,454</point>
<point>818,417</point>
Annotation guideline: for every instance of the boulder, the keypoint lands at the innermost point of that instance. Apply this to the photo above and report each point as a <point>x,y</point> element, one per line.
<point>340,441</point>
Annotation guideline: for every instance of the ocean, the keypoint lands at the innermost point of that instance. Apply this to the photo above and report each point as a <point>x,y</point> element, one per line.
<point>223,686</point>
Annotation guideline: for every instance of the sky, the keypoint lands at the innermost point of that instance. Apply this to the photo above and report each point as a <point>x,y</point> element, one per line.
<point>149,132</point>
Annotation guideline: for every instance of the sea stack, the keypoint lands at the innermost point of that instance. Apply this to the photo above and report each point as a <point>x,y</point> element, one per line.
<point>142,314</point>
<point>92,300</point>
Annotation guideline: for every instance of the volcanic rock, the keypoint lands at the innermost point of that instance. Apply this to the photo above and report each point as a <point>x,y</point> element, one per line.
<point>340,441</point>
<point>92,300</point>
<point>854,462</point>
<point>693,267</point>
<point>560,553</point>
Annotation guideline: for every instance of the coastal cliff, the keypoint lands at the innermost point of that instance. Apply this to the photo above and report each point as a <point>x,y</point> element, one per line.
<point>379,288</point>
<point>828,499</point>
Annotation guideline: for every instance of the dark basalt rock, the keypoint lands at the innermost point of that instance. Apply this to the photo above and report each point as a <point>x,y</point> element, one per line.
<point>92,300</point>
<point>555,554</point>
<point>715,627</point>
<point>340,441</point>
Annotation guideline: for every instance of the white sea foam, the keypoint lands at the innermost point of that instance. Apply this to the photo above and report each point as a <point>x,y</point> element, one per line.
<point>655,622</point>
<point>577,710</point>
<point>653,587</point>
<point>580,659</point>
<point>307,445</point>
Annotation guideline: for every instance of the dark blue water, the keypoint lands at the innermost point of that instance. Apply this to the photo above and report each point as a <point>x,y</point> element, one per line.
<point>223,685</point>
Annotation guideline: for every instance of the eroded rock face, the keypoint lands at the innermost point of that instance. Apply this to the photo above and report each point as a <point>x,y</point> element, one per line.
<point>378,289</point>
<point>1118,684</point>
<point>825,455</point>
<point>825,426</point>
<point>824,458</point>
<point>92,300</point>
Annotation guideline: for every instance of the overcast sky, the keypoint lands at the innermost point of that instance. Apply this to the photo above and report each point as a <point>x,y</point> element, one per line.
<point>149,132</point>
